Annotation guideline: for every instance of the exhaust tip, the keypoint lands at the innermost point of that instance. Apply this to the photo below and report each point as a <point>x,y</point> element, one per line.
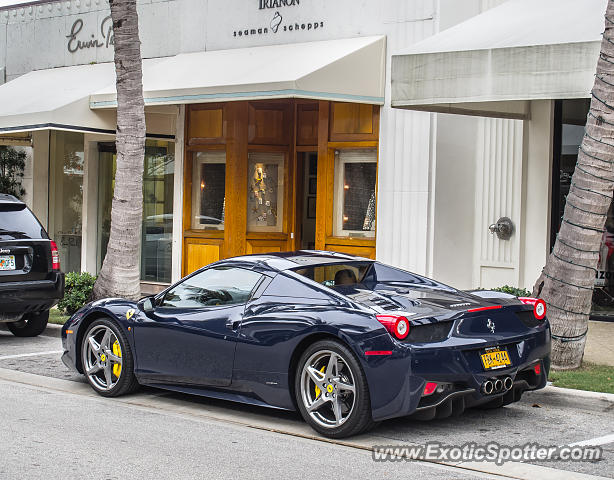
<point>487,387</point>
<point>498,385</point>
<point>508,383</point>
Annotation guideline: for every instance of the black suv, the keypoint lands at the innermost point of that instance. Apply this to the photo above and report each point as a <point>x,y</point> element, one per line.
<point>30,278</point>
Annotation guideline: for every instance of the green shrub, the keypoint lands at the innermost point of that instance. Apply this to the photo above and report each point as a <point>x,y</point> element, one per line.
<point>517,292</point>
<point>77,290</point>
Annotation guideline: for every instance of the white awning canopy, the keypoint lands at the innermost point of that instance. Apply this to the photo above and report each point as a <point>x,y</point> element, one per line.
<point>347,70</point>
<point>83,98</point>
<point>494,63</point>
<point>56,98</point>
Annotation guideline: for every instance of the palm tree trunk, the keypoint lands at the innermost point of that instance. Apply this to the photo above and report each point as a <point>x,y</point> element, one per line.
<point>567,281</point>
<point>120,273</point>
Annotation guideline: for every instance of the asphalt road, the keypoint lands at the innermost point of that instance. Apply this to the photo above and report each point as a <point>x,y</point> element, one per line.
<point>53,425</point>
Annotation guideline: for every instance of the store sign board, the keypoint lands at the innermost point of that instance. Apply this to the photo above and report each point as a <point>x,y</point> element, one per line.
<point>83,37</point>
<point>277,3</point>
<point>78,39</point>
<point>277,24</point>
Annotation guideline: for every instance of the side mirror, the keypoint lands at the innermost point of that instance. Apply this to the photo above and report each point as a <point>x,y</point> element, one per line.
<point>146,304</point>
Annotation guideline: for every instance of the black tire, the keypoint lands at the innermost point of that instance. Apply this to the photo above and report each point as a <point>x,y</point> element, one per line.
<point>126,382</point>
<point>360,418</point>
<point>32,325</point>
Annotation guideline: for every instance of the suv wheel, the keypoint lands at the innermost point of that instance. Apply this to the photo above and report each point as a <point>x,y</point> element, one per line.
<point>31,325</point>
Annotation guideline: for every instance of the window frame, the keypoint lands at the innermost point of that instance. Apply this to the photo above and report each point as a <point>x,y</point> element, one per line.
<point>280,159</point>
<point>206,157</point>
<point>338,194</point>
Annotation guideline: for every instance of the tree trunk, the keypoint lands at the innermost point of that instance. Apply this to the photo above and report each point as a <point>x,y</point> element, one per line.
<point>567,281</point>
<point>120,273</point>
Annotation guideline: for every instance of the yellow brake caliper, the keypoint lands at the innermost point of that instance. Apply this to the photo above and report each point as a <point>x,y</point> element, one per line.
<point>318,391</point>
<point>117,351</point>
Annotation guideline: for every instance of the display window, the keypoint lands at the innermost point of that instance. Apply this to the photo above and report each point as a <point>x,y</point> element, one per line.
<point>158,187</point>
<point>355,193</point>
<point>209,190</point>
<point>66,196</point>
<point>570,120</point>
<point>265,192</point>
<point>157,227</point>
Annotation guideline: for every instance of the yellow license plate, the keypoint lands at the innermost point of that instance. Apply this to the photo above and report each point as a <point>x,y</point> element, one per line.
<point>495,358</point>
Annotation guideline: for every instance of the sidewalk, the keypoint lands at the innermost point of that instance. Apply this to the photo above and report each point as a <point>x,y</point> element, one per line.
<point>599,347</point>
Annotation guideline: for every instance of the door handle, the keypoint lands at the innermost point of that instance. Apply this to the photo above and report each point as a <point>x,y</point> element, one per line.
<point>233,324</point>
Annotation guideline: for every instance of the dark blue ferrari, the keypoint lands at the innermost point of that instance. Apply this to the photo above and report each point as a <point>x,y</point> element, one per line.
<point>347,341</point>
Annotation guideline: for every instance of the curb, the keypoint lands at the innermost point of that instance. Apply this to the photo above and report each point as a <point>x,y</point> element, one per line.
<point>608,397</point>
<point>554,397</point>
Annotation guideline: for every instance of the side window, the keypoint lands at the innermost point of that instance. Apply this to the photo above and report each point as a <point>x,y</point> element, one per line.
<point>213,287</point>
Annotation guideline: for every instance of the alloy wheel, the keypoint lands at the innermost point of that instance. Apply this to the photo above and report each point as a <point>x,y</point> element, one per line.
<point>102,357</point>
<point>328,390</point>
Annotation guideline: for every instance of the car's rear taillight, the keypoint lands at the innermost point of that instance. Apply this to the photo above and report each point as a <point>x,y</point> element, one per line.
<point>539,306</point>
<point>429,388</point>
<point>397,325</point>
<point>55,256</point>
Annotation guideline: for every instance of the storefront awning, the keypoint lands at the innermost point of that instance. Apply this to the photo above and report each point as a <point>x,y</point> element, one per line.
<point>56,98</point>
<point>82,98</point>
<point>494,63</point>
<point>350,70</point>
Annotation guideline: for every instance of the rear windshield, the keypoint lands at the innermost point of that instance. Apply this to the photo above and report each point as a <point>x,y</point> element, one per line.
<point>18,222</point>
<point>367,274</point>
<point>337,274</point>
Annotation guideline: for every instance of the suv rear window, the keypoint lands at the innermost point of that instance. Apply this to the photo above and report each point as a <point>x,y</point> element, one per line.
<point>18,222</point>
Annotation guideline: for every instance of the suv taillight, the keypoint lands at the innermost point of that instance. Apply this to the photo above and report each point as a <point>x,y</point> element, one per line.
<point>397,325</point>
<point>539,306</point>
<point>55,256</point>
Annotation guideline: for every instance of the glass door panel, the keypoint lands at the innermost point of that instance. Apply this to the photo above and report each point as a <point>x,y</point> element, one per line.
<point>265,194</point>
<point>157,239</point>
<point>570,120</point>
<point>158,187</point>
<point>66,196</point>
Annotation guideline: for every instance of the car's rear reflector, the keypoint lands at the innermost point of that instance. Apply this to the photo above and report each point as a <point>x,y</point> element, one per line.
<point>539,306</point>
<point>479,309</point>
<point>378,352</point>
<point>55,256</point>
<point>538,369</point>
<point>429,388</point>
<point>397,325</point>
